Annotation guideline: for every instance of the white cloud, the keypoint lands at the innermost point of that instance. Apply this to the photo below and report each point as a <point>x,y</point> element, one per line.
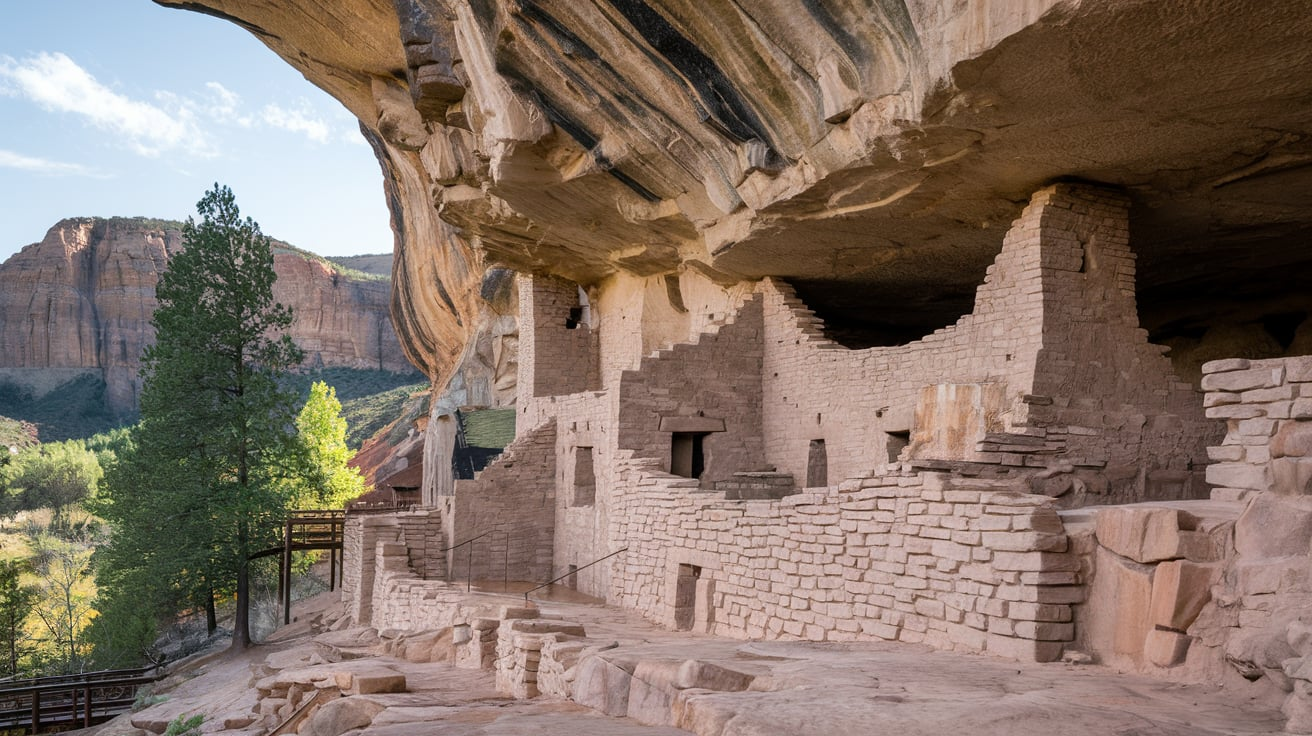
<point>224,106</point>
<point>56,82</point>
<point>11,160</point>
<point>301,119</point>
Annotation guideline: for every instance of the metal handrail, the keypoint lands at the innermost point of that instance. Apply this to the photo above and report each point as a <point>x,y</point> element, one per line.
<point>469,558</point>
<point>575,571</point>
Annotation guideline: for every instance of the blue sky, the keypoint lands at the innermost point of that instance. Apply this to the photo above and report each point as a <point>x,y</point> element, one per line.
<point>126,108</point>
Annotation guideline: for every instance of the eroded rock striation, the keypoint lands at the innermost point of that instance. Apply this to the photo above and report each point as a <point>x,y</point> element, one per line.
<point>871,153</point>
<point>80,302</point>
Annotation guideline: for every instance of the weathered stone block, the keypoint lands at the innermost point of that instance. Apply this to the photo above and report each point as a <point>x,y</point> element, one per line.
<point>1291,475</point>
<point>1233,411</point>
<point>1243,380</point>
<point>1238,475</point>
<point>1117,609</point>
<point>1166,648</point>
<point>603,685</point>
<point>707,676</point>
<point>1140,533</point>
<point>1274,526</point>
<point>1225,366</point>
<point>1024,650</point>
<point>1180,590</point>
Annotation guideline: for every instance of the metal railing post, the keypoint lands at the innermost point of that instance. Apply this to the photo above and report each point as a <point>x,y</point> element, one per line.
<point>575,571</point>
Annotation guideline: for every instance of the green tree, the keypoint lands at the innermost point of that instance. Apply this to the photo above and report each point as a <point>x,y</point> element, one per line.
<point>54,475</point>
<point>330,482</point>
<point>64,594</point>
<point>205,483</point>
<point>17,599</point>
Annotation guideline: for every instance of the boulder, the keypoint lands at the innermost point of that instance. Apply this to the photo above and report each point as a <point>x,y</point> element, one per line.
<point>339,716</point>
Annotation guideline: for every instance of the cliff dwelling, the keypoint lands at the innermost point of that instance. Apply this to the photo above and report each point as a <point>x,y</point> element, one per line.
<point>978,326</point>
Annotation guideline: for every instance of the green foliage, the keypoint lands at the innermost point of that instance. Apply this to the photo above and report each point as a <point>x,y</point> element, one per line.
<point>370,399</point>
<point>72,410</point>
<point>16,434</point>
<point>63,601</point>
<point>184,726</point>
<point>53,475</point>
<point>146,697</point>
<point>369,414</point>
<point>330,482</point>
<point>206,482</point>
<point>17,600</point>
<point>123,633</point>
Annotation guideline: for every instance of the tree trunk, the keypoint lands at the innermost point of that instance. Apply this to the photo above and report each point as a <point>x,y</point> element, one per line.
<point>211,617</point>
<point>241,628</point>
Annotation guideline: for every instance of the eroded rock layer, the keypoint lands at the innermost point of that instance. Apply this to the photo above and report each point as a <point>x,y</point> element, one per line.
<point>870,153</point>
<point>81,300</point>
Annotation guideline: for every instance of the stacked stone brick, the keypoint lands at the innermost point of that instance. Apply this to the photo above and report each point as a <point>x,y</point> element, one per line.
<point>1014,394</point>
<point>509,511</point>
<point>969,565</point>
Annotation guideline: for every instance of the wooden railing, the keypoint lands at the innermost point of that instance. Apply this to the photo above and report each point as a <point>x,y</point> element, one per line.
<point>307,530</point>
<point>70,701</point>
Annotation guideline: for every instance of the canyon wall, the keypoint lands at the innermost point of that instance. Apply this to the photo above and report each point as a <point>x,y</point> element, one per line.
<point>80,302</point>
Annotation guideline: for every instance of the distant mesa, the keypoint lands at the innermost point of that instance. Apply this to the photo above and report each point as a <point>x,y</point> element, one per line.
<point>75,310</point>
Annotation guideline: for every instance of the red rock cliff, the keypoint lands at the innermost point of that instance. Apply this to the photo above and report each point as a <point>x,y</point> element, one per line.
<point>80,301</point>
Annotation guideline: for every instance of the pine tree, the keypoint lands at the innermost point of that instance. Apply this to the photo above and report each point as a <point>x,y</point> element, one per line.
<point>206,483</point>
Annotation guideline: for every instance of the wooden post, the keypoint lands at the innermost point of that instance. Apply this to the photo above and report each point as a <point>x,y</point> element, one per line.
<point>36,711</point>
<point>285,574</point>
<point>86,707</point>
<point>335,538</point>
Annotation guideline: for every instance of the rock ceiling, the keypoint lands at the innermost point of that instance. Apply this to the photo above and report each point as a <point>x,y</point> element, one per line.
<point>873,153</point>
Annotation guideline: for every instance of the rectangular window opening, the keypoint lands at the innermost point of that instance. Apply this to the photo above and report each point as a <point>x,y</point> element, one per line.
<point>897,442</point>
<point>687,454</point>
<point>817,465</point>
<point>585,478</point>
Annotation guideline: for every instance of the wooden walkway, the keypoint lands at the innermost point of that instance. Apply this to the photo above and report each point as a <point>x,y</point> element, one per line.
<point>70,702</point>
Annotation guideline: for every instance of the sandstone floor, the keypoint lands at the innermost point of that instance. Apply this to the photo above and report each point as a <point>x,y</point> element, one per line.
<point>799,688</point>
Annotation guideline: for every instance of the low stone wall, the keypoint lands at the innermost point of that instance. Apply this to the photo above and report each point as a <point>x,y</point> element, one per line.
<point>1266,405</point>
<point>361,535</point>
<point>966,565</point>
<point>1260,612</point>
<point>1151,569</point>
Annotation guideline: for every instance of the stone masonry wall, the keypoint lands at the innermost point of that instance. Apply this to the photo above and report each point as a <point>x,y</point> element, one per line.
<point>1054,318</point>
<point>968,565</point>
<point>361,535</point>
<point>718,377</point>
<point>554,359</point>
<point>513,503</point>
<point>1098,379</point>
<point>1257,614</point>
